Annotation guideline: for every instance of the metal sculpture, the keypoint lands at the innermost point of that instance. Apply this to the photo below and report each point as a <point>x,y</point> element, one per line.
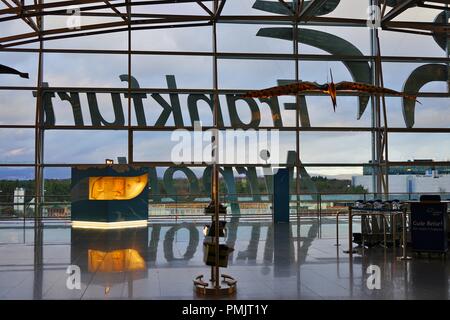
<point>330,88</point>
<point>9,70</point>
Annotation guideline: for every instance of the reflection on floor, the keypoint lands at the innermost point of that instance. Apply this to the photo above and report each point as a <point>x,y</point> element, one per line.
<point>296,261</point>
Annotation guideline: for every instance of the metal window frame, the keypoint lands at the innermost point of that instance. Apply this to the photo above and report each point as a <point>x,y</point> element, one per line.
<point>33,16</point>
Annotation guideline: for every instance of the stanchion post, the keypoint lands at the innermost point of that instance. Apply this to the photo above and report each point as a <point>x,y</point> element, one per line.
<point>394,229</point>
<point>337,229</point>
<point>404,242</point>
<point>350,232</point>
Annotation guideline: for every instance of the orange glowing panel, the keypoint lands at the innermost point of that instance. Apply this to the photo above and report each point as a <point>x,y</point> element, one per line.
<point>116,188</point>
<point>115,261</point>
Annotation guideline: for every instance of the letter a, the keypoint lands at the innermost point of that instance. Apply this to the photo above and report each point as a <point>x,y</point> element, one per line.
<point>374,280</point>
<point>74,279</point>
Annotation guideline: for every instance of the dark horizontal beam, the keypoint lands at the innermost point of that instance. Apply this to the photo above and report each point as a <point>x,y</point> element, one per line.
<point>238,55</point>
<point>200,91</point>
<point>103,31</point>
<point>194,165</point>
<point>168,22</point>
<point>107,25</point>
<point>416,163</point>
<point>171,164</point>
<point>204,128</point>
<point>68,3</point>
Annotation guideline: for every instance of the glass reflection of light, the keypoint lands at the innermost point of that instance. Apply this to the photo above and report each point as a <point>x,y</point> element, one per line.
<point>110,257</point>
<point>116,188</point>
<point>115,261</point>
<point>109,225</point>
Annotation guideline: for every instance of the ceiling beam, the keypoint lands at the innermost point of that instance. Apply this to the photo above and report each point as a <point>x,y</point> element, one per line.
<point>308,12</point>
<point>113,8</point>
<point>43,6</point>
<point>220,8</point>
<point>399,9</point>
<point>103,31</point>
<point>64,4</point>
<point>201,4</point>
<point>27,20</point>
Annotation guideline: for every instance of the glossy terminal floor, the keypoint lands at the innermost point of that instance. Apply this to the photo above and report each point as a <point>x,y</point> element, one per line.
<point>296,261</point>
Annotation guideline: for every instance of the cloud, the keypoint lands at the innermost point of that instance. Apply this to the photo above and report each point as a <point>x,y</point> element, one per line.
<point>16,152</point>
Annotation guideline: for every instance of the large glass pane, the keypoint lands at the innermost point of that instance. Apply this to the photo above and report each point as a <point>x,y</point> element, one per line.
<point>17,187</point>
<point>84,108</point>
<point>25,63</point>
<point>188,71</point>
<point>57,200</point>
<point>406,44</point>
<point>335,147</point>
<point>17,107</point>
<point>87,146</point>
<point>173,39</point>
<point>411,146</point>
<point>17,145</point>
<point>251,39</point>
<point>84,70</point>
<point>254,74</point>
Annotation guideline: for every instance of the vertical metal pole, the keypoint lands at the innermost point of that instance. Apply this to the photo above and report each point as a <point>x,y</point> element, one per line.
<point>337,229</point>
<point>297,112</point>
<point>298,8</point>
<point>38,131</point>
<point>215,175</point>
<point>382,136</point>
<point>394,229</point>
<point>39,140</point>
<point>320,213</point>
<point>375,116</point>
<point>447,16</point>
<point>350,233</point>
<point>130,131</point>
<point>404,234</point>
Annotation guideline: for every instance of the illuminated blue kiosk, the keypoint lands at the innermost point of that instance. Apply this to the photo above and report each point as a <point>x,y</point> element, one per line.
<point>109,196</point>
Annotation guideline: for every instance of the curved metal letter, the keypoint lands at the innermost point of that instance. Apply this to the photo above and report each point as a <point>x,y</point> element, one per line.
<point>441,38</point>
<point>417,79</point>
<point>359,70</point>
<point>277,7</point>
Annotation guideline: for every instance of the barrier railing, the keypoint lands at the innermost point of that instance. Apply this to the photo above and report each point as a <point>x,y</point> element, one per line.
<point>191,205</point>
